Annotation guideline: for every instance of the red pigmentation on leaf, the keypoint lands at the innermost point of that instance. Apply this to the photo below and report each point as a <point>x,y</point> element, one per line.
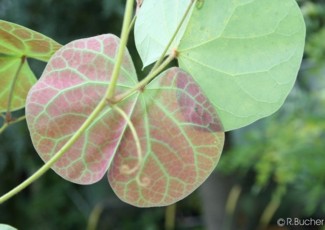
<point>178,130</point>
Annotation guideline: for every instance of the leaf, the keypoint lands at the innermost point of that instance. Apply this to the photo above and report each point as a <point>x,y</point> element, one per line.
<point>6,227</point>
<point>72,84</point>
<point>179,131</point>
<point>8,69</point>
<point>156,23</point>
<point>16,43</point>
<point>244,54</point>
<point>182,139</point>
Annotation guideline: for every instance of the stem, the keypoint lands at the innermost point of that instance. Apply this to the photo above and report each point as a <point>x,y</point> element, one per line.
<point>231,204</point>
<point>159,65</point>
<point>12,88</point>
<point>132,24</point>
<point>90,119</point>
<point>145,81</point>
<point>126,169</point>
<point>174,36</point>
<point>7,124</point>
<point>57,156</point>
<point>271,208</point>
<point>3,127</point>
<point>170,217</point>
<point>94,217</point>
<point>124,38</point>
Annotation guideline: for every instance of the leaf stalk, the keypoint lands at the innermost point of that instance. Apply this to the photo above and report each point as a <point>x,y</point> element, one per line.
<point>124,39</point>
<point>160,60</point>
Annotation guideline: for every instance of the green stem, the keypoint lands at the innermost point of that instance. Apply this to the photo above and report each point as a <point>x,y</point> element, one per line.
<point>12,88</point>
<point>124,39</point>
<point>132,24</point>
<point>160,64</point>
<point>145,81</point>
<point>271,208</point>
<point>3,127</point>
<point>90,119</point>
<point>7,124</point>
<point>231,204</point>
<point>170,217</point>
<point>126,169</point>
<point>160,60</point>
<point>94,217</point>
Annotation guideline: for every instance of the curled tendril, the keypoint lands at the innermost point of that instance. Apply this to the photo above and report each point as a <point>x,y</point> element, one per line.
<point>125,169</point>
<point>144,181</point>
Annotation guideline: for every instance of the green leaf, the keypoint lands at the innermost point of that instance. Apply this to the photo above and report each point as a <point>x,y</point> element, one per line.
<point>179,131</point>
<point>244,54</point>
<point>156,23</point>
<point>6,227</point>
<point>8,69</point>
<point>17,43</point>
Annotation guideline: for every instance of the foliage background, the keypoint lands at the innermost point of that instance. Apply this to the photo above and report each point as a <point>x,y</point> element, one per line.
<point>277,162</point>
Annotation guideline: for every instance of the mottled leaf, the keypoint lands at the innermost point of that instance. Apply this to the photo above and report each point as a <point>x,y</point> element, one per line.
<point>244,54</point>
<point>17,43</point>
<point>180,134</point>
<point>156,23</point>
<point>72,84</point>
<point>16,40</point>
<point>181,137</point>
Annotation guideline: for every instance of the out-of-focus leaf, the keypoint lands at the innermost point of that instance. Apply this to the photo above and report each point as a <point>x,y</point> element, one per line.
<point>16,44</point>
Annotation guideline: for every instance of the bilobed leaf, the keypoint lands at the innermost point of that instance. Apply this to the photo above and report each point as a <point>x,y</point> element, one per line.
<point>244,54</point>
<point>180,133</point>
<point>17,43</point>
<point>156,23</point>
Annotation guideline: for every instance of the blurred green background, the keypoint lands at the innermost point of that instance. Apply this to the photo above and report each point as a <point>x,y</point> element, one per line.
<point>272,169</point>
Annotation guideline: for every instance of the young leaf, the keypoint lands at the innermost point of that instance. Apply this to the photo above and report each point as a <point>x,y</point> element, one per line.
<point>17,43</point>
<point>245,55</point>
<point>181,138</point>
<point>73,82</point>
<point>156,23</point>
<point>180,134</point>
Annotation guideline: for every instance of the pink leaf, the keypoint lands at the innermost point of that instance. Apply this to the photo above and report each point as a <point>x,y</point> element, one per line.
<point>71,86</point>
<point>181,138</point>
<point>180,134</point>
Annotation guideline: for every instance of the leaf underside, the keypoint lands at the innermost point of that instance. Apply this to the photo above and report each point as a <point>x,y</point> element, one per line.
<point>181,136</point>
<point>179,131</point>
<point>244,54</point>
<point>16,43</point>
